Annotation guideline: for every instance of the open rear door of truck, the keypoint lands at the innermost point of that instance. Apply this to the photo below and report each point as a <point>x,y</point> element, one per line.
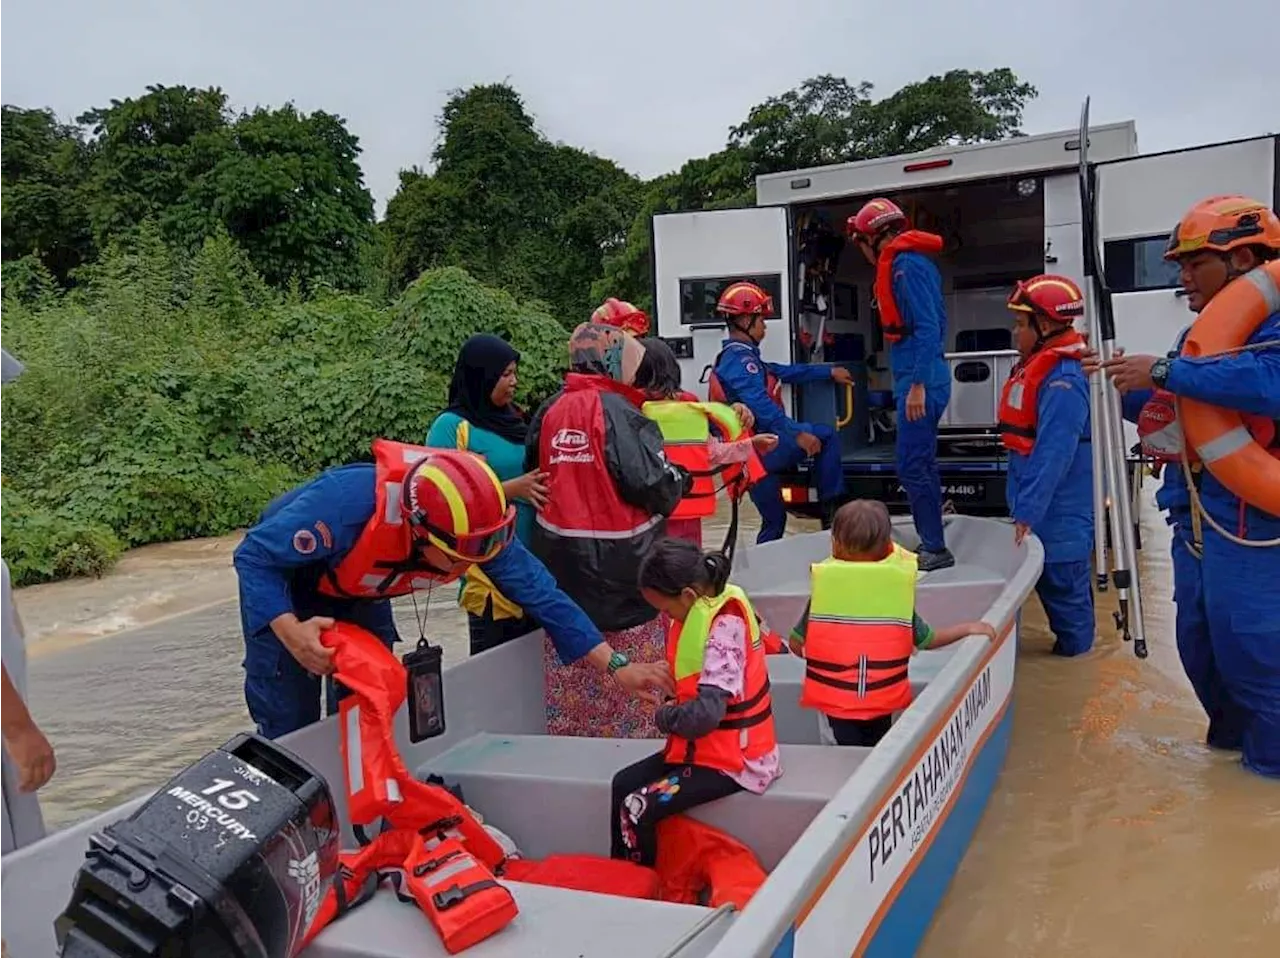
<point>695,256</point>
<point>1139,201</point>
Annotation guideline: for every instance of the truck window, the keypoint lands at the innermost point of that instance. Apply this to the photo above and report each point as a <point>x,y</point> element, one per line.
<point>1134,265</point>
<point>698,297</point>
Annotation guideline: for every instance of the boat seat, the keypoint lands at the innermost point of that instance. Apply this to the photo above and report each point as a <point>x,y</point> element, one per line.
<point>553,794</point>
<point>552,922</point>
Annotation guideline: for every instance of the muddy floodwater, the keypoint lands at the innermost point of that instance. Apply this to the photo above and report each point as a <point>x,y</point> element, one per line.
<point>1113,830</point>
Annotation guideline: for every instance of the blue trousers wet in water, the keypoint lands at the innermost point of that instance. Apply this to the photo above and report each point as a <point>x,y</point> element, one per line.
<point>1066,592</point>
<point>917,462</point>
<point>1228,630</point>
<point>767,493</point>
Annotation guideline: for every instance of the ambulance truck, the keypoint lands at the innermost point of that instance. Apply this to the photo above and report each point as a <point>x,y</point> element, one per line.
<point>1006,211</point>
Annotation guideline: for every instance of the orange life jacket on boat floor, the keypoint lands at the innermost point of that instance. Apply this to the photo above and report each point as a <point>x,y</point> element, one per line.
<point>701,865</point>
<point>604,876</point>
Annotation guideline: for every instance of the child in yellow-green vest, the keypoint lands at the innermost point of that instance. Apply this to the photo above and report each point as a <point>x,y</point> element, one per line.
<point>860,627</point>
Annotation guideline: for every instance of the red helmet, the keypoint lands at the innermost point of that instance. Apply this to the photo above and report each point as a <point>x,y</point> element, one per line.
<point>873,217</point>
<point>1052,297</point>
<point>745,299</point>
<point>622,315</point>
<point>455,502</point>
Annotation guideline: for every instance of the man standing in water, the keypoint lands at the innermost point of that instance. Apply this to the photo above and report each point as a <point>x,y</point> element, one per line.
<point>913,318</point>
<point>1226,561</point>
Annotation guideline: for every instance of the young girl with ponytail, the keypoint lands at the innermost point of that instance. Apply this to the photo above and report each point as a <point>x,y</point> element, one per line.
<point>719,726</point>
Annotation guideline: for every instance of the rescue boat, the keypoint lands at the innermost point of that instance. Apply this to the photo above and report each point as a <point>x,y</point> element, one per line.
<point>859,844</point>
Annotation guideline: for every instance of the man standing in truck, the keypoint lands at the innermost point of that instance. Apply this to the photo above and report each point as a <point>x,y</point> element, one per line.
<point>908,293</point>
<point>740,375</point>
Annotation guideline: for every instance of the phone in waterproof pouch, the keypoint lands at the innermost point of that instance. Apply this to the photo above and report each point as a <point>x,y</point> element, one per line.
<point>426,691</point>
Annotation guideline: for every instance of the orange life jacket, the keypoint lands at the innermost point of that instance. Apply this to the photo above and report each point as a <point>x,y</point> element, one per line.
<point>1019,398</point>
<point>859,639</point>
<point>381,564</point>
<point>686,427</point>
<point>420,819</point>
<point>746,731</point>
<point>458,894</point>
<point>918,241</point>
<point>701,865</point>
<point>604,876</point>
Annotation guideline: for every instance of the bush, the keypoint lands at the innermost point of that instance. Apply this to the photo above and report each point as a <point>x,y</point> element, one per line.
<point>170,397</point>
<point>41,546</point>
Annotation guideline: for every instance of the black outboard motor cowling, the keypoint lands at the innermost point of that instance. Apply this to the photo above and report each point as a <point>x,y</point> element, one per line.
<point>230,859</point>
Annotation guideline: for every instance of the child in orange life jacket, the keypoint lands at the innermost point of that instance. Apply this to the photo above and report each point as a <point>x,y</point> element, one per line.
<point>719,727</point>
<point>860,628</point>
<point>658,376</point>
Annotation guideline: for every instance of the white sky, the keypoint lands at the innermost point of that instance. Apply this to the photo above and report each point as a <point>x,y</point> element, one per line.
<point>648,83</point>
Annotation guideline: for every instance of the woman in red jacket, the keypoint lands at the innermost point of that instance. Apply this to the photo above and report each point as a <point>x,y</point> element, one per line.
<point>609,491</point>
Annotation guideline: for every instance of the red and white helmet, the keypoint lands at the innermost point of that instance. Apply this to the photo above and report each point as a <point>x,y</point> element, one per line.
<point>622,315</point>
<point>877,214</point>
<point>745,299</point>
<point>455,502</point>
<point>1052,297</point>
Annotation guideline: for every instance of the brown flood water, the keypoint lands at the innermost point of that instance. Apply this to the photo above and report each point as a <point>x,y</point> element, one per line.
<point>1112,831</point>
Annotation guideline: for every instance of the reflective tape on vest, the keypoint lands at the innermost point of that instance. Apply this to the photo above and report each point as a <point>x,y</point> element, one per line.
<point>1225,445</point>
<point>599,533</point>
<point>1267,287</point>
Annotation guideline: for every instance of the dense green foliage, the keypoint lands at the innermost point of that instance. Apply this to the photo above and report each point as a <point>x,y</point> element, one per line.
<point>209,313</point>
<point>168,396</point>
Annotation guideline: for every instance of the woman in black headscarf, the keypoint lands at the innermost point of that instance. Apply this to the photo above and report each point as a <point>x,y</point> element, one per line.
<point>483,418</point>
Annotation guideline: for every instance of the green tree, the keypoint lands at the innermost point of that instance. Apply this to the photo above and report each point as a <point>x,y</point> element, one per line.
<point>285,185</point>
<point>517,211</point>
<point>44,166</point>
<point>823,121</point>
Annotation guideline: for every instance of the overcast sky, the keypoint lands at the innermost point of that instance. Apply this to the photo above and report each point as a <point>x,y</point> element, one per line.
<point>648,83</point>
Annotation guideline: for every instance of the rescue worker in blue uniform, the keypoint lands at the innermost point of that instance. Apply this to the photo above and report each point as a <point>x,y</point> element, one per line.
<point>340,546</point>
<point>1044,423</point>
<point>740,375</point>
<point>913,319</point>
<point>1227,594</point>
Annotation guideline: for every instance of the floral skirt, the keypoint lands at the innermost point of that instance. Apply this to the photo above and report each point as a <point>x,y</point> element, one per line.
<point>582,701</point>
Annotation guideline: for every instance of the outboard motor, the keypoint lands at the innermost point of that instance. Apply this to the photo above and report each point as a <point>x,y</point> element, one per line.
<point>230,859</point>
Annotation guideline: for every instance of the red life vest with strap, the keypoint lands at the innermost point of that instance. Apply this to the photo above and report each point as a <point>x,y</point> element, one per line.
<point>381,563</point>
<point>772,384</point>
<point>447,856</point>
<point>917,241</point>
<point>859,639</point>
<point>583,501</point>
<point>746,731</point>
<point>1019,398</point>
<point>686,427</point>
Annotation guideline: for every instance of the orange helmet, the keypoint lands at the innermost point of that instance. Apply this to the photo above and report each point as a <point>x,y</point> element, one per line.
<point>1048,296</point>
<point>1223,223</point>
<point>622,315</point>
<point>455,502</point>
<point>873,217</point>
<point>745,299</point>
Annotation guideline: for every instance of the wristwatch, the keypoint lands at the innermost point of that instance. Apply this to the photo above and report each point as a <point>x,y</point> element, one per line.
<point>1160,371</point>
<point>617,661</point>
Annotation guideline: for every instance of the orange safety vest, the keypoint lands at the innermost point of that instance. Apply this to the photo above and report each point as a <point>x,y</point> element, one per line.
<point>1019,398</point>
<point>859,640</point>
<point>382,562</point>
<point>746,731</point>
<point>686,434</point>
<point>918,241</point>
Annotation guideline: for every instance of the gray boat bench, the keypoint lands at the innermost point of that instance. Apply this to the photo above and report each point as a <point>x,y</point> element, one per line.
<point>552,794</point>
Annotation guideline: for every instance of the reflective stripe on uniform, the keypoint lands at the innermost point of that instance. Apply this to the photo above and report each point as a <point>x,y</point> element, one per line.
<point>391,515</point>
<point>599,533</point>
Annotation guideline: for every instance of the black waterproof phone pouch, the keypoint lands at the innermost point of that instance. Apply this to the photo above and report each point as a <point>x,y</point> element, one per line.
<point>425,692</point>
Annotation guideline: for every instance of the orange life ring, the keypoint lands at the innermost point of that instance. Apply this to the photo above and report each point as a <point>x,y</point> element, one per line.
<point>1218,435</point>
